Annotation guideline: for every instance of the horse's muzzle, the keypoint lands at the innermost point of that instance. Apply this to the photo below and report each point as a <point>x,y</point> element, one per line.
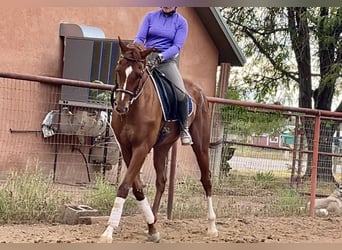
<point>121,109</point>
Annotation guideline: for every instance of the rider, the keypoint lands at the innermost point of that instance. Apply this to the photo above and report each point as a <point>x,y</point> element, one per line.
<point>167,30</point>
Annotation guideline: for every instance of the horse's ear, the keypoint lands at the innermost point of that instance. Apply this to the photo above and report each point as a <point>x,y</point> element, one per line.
<point>147,51</point>
<point>122,45</point>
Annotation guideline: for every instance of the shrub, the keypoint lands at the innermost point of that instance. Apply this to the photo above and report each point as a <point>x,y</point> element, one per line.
<point>102,194</point>
<point>265,180</point>
<point>29,196</point>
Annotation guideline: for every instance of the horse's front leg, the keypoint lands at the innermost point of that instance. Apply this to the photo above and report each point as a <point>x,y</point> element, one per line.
<point>116,212</point>
<point>145,208</point>
<point>134,165</point>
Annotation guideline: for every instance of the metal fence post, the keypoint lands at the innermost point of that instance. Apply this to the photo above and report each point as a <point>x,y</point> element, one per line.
<point>315,163</point>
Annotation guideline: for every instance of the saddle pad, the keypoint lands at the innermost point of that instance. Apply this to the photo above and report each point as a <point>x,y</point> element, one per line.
<point>167,96</point>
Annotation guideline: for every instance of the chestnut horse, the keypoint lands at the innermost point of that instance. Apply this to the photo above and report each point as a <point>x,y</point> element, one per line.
<point>138,122</point>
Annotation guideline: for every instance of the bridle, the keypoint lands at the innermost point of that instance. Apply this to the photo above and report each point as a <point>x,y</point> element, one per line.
<point>137,92</point>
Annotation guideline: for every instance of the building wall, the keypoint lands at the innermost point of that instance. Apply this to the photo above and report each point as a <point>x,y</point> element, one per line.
<point>267,140</point>
<point>30,41</point>
<point>30,44</point>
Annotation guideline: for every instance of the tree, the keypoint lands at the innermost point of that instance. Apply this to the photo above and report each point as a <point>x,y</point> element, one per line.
<point>250,121</point>
<point>285,44</point>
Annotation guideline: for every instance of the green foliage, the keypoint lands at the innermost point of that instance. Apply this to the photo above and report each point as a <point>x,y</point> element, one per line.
<point>265,180</point>
<point>99,95</point>
<point>263,37</point>
<point>334,72</point>
<point>187,186</point>
<point>189,196</point>
<point>276,45</point>
<point>245,121</point>
<point>29,196</point>
<point>102,194</point>
<point>233,93</point>
<point>289,202</point>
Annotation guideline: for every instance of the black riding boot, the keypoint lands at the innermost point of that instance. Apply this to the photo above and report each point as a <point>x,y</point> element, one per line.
<point>183,120</point>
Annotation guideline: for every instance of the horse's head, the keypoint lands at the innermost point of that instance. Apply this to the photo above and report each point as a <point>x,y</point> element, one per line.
<point>130,75</point>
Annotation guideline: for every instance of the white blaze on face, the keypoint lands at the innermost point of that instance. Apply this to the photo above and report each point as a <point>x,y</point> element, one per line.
<point>128,71</point>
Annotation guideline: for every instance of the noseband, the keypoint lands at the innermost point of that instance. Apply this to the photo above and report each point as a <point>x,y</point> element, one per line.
<point>137,92</point>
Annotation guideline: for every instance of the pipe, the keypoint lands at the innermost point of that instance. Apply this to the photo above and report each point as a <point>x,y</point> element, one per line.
<point>24,131</point>
<point>77,83</point>
<point>292,110</point>
<point>294,152</point>
<point>314,164</point>
<point>55,80</point>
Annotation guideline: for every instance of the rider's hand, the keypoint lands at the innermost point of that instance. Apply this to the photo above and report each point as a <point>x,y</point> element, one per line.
<point>155,62</point>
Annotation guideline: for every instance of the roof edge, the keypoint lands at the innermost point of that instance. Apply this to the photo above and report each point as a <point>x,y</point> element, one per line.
<point>228,34</point>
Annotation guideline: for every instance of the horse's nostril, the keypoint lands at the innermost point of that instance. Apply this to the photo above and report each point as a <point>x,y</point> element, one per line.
<point>121,109</point>
<point>118,109</point>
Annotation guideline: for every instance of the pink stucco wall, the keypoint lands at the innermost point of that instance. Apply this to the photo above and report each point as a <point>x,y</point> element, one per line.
<point>30,41</point>
<point>30,44</point>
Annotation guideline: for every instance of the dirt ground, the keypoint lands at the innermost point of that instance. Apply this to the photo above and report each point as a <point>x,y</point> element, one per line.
<point>233,230</point>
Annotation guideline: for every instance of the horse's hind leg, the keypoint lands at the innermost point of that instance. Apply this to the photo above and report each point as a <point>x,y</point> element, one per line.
<point>146,210</point>
<point>203,162</point>
<point>159,162</point>
<point>200,147</point>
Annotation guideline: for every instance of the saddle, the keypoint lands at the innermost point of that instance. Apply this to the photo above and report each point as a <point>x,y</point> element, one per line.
<point>167,94</point>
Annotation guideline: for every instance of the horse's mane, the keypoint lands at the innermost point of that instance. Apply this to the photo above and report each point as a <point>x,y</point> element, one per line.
<point>136,48</point>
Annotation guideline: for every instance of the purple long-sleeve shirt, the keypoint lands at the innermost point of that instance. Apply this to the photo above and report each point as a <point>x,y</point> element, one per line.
<point>166,33</point>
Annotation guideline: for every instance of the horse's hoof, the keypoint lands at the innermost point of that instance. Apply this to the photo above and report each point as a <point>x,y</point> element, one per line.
<point>104,239</point>
<point>153,237</point>
<point>213,233</point>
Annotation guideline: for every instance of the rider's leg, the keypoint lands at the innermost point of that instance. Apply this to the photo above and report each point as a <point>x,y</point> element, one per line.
<point>183,120</point>
<point>170,69</point>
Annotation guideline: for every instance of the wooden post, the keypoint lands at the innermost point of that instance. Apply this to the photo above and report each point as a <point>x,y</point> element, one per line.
<point>173,165</point>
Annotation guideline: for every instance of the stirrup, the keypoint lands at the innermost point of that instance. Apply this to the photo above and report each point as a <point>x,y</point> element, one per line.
<point>186,137</point>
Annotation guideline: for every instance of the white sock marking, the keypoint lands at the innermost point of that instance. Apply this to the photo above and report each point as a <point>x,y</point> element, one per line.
<point>212,217</point>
